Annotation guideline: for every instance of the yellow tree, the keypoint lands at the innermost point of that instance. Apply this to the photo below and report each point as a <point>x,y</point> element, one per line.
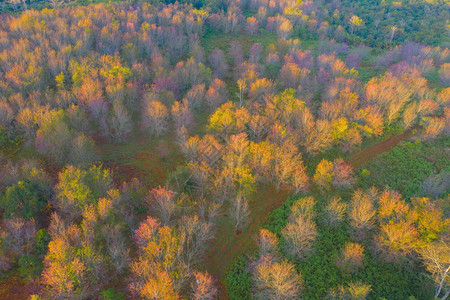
<point>355,21</point>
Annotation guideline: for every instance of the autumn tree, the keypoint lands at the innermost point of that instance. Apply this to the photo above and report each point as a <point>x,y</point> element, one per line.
<point>216,94</point>
<point>324,174</point>
<point>163,202</point>
<point>351,258</point>
<point>251,26</point>
<point>354,290</point>
<point>355,22</point>
<point>301,231</point>
<point>203,287</point>
<point>120,125</point>
<point>335,210</point>
<point>155,118</point>
<point>436,256</point>
<point>342,174</point>
<point>158,271</point>
<point>284,30</point>
<point>267,243</point>
<point>182,115</point>
<point>361,211</point>
<point>77,188</point>
<point>276,280</point>
<point>398,231</point>
<point>218,63</point>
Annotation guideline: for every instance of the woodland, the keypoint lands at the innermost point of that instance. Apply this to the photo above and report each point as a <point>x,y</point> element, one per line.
<point>224,149</point>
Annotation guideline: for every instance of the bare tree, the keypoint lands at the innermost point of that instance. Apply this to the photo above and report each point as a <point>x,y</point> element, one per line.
<point>56,3</point>
<point>436,256</point>
<point>163,202</point>
<point>277,280</point>
<point>119,122</point>
<point>299,235</point>
<point>155,118</point>
<point>239,211</point>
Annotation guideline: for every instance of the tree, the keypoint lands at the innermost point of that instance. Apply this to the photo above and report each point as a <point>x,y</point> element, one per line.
<point>351,258</point>
<point>218,63</point>
<point>56,3</point>
<point>18,4</point>
<point>155,118</point>
<point>276,280</point>
<point>203,287</point>
<point>299,235</point>
<point>392,31</point>
<point>119,122</point>
<point>342,174</point>
<point>64,273</point>
<point>235,53</point>
<point>54,137</point>
<point>261,90</point>
<point>324,174</point>
<point>284,29</point>
<point>267,243</point>
<point>252,26</point>
<point>158,272</point>
<point>216,94</point>
<point>163,202</point>
<point>355,21</point>
<point>362,211</point>
<point>398,232</point>
<point>24,199</point>
<point>83,150</point>
<point>18,235</point>
<point>436,256</point>
<point>242,85</point>
<point>354,291</point>
<point>182,115</point>
<point>196,233</point>
<point>239,211</point>
<point>335,210</point>
<point>77,188</point>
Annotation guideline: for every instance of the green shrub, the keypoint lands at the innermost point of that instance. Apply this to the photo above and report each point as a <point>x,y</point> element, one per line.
<point>41,241</point>
<point>30,266</point>
<point>110,294</point>
<point>238,281</point>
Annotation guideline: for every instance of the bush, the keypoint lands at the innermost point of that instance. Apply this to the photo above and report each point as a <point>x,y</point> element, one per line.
<point>238,281</point>
<point>24,199</point>
<point>30,266</point>
<point>41,241</point>
<point>110,294</point>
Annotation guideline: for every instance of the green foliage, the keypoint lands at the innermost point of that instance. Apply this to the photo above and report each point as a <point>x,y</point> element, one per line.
<point>319,270</point>
<point>23,199</point>
<point>238,280</point>
<point>278,218</point>
<point>394,281</point>
<point>41,241</point>
<point>30,266</point>
<point>6,141</point>
<point>406,166</point>
<point>110,294</point>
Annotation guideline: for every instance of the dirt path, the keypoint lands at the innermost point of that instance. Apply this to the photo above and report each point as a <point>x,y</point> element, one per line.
<point>368,154</point>
<point>228,245</point>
